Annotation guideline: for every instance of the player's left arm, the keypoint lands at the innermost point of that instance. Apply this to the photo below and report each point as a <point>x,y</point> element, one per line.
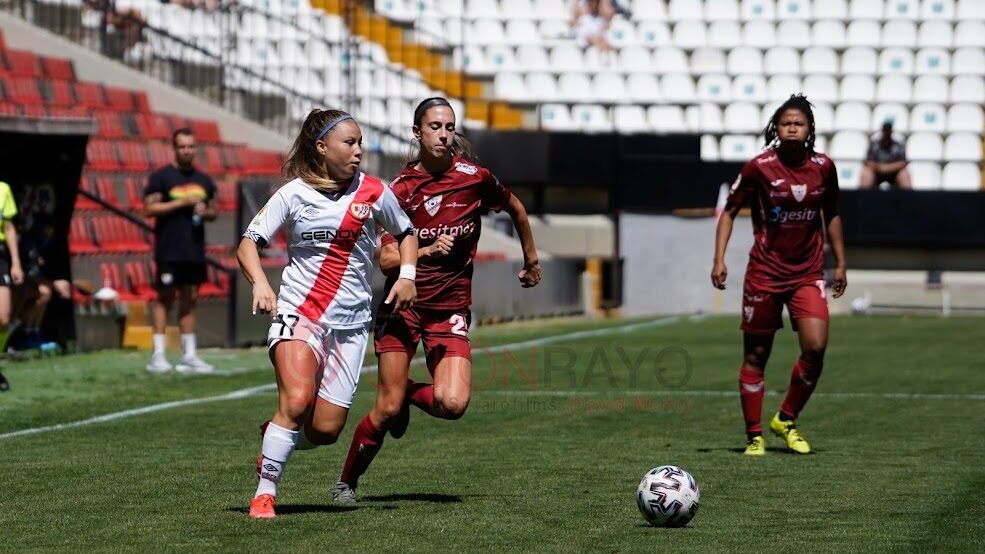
<point>8,212</point>
<point>832,222</point>
<point>530,274</point>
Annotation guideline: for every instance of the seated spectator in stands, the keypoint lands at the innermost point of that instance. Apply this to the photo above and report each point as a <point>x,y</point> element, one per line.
<point>886,162</point>
<point>590,20</point>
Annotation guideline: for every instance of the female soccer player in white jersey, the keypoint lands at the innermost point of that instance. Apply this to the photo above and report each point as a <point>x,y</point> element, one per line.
<point>331,212</point>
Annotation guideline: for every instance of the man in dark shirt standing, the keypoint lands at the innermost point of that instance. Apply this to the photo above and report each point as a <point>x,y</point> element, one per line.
<point>179,197</point>
<point>886,162</point>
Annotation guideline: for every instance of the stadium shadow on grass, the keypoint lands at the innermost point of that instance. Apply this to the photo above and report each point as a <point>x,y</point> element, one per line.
<point>435,498</point>
<point>288,509</point>
<point>741,449</point>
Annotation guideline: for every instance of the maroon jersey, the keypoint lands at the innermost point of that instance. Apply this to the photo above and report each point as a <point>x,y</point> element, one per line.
<point>787,204</point>
<point>448,203</point>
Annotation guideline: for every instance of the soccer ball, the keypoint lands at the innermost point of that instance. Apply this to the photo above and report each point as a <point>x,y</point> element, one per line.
<point>668,496</point>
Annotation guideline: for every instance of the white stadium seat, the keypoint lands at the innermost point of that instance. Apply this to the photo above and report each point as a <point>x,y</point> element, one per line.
<point>780,87</point>
<point>591,118</point>
<point>721,10</point>
<point>648,10</point>
<point>634,58</point>
<point>935,33</point>
<point>556,117</point>
<point>866,9</point>
<point>757,9</point>
<point>893,112</point>
<point>781,60</point>
<point>925,175</point>
<point>820,143</point>
<point>486,32</point>
<point>759,34</point>
<point>514,10</point>
<point>689,34</point>
<point>852,116</point>
<point>831,9</point>
<point>745,60</point>
<point>858,88</point>
<point>609,88</point>
<point>896,60</point>
<point>793,34</point>
<point>849,145</point>
<point>554,30</point>
<point>968,61</point>
<point>924,146</point>
<point>574,87</point>
<point>678,88</point>
<point>738,148</point>
<point>830,33</point>
<point>501,57</point>
<point>542,87</point>
<point>961,176</point>
<point>820,60</point>
<point>741,117</point>
<point>724,34</point>
<point>709,148</point>
<point>933,61</point>
<point>567,57</point>
<point>707,60</point>
<point>475,9</point>
<point>667,119</point>
<point>820,88</point>
<point>706,118</point>
<point>533,58</point>
<point>630,119</point>
<point>963,147</point>
<point>653,34</point>
<point>670,60</point>
<point>968,88</point>
<point>900,32</point>
<point>859,59</point>
<point>970,9</point>
<point>684,10</point>
<point>749,88</point>
<point>929,88</point>
<point>894,88</point>
<point>928,117</point>
<point>902,9</point>
<point>621,33</point>
<point>824,117</point>
<point>793,9</point>
<point>937,9</point>
<point>864,32</point>
<point>522,31</point>
<point>848,173</point>
<point>969,33</point>
<point>643,88</point>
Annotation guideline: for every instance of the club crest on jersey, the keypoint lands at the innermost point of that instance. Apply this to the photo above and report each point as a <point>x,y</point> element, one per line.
<point>748,311</point>
<point>360,210</point>
<point>465,168</point>
<point>432,204</point>
<point>799,191</point>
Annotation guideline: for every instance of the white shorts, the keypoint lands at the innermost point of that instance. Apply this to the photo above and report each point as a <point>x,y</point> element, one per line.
<point>339,352</point>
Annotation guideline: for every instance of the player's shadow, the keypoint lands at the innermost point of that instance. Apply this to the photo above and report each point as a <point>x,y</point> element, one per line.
<point>741,450</point>
<point>289,509</point>
<point>435,498</point>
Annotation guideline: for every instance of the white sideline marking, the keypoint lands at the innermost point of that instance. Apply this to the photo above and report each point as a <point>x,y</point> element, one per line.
<point>243,393</point>
<point>726,393</point>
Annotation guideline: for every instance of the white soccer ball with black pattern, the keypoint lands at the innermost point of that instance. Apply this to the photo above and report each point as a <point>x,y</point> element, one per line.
<point>668,496</point>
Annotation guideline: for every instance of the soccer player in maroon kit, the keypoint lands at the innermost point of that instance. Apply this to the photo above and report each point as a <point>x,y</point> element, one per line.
<point>444,191</point>
<point>793,194</point>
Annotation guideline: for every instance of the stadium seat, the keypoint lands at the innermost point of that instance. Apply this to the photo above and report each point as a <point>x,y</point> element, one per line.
<point>968,61</point>
<point>648,10</point>
<point>476,9</point>
<point>896,61</point>
<point>744,60</point>
<point>631,58</point>
<point>23,64</point>
<point>689,34</point>
<point>935,34</point>
<point>630,119</point>
<point>820,60</point>
<point>902,9</point>
<point>969,34</point>
<point>820,143</point>
<point>970,9</point>
<point>58,93</point>
<point>574,87</point>
<point>866,9</point>
<point>849,145</point>
<point>895,112</point>
<point>58,68</point>
<point>79,237</point>
<point>793,9</point>
<point>684,10</point>
<point>738,148</point>
<point>793,34</point>
<point>566,57</point>
<point>707,60</point>
<point>486,31</point>
<point>968,88</point>
<point>894,88</point>
<point>929,88</point>
<point>396,10</point>
<point>864,33</point>
<point>119,99</point>
<point>514,10</point>
<point>160,154</point>
<point>653,34</point>
<point>708,148</point>
<point>724,34</point>
<point>742,118</point>
<point>781,60</point>
<point>857,88</point>
<point>535,58</point>
<point>961,176</point>
<point>824,117</point>
<point>759,34</point>
<point>140,282</point>
<point>472,59</point>
<point>831,9</point>
<point>109,124</point>
<point>678,88</point>
<point>965,118</point>
<point>591,118</point>
<point>621,33</point>
<point>705,118</point>
<point>749,88</point>
<point>667,119</point>
<point>933,61</point>
<point>925,175</point>
<point>937,10</point>
<point>963,147</point>
<point>859,59</point>
<point>542,87</point>
<point>853,116</point>
<point>899,33</point>
<point>924,146</point>
<point>714,88</point>
<point>609,88</point>
<point>101,156</point>
<point>643,88</point>
<point>670,60</point>
<point>780,87</point>
<point>556,117</point>
<point>500,57</point>
<point>849,172</point>
<point>829,33</point>
<point>133,155</point>
<point>22,90</point>
<point>928,117</point>
<point>757,9</point>
<point>511,87</point>
<point>820,88</point>
<point>721,10</point>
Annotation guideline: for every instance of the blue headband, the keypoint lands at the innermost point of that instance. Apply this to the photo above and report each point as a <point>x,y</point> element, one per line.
<point>331,124</point>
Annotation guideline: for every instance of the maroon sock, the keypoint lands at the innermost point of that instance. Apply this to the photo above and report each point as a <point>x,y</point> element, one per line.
<point>803,380</point>
<point>422,396</point>
<point>751,390</point>
<point>366,442</point>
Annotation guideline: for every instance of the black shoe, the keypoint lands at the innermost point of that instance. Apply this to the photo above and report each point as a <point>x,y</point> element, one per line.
<point>4,384</point>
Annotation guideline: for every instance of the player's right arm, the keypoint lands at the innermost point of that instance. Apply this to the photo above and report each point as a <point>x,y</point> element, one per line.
<point>390,254</point>
<point>265,224</point>
<point>154,203</point>
<point>739,195</point>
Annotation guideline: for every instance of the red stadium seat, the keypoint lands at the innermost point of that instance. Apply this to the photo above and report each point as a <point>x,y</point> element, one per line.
<point>109,124</point>
<point>160,154</point>
<point>116,235</point>
<point>71,111</point>
<point>23,90</point>
<point>205,131</point>
<point>82,202</point>
<point>225,200</point>
<point>153,126</point>
<point>90,95</point>
<point>79,238</point>
<point>139,280</point>
<point>211,287</point>
<point>140,101</point>
<point>231,157</point>
<point>32,110</point>
<point>58,68</point>
<point>120,99</point>
<point>102,156</point>
<point>133,155</point>
<point>24,64</point>
<point>211,160</point>
<point>59,93</point>
<point>106,190</point>
<point>9,109</point>
<point>135,194</point>
<point>112,278</point>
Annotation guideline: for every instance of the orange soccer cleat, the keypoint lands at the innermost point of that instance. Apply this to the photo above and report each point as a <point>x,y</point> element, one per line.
<point>262,507</point>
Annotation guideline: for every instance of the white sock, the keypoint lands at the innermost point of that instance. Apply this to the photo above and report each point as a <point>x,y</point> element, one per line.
<point>188,344</point>
<point>158,344</point>
<point>278,443</point>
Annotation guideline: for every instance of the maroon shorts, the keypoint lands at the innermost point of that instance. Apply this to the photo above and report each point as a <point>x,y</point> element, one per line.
<point>762,311</point>
<point>445,333</point>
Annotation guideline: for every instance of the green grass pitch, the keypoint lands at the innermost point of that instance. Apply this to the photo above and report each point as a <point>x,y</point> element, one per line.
<point>547,459</point>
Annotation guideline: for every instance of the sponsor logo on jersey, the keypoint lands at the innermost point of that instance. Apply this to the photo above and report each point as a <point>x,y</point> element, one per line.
<point>766,160</point>
<point>463,230</point>
<point>310,212</point>
<point>456,205</point>
<point>319,235</point>
<point>431,205</point>
<point>799,191</point>
<point>747,311</point>
<point>735,185</point>
<point>360,210</point>
<point>755,298</point>
<point>466,168</point>
<point>779,215</point>
<point>779,194</point>
<point>818,160</point>
<point>259,217</point>
<point>777,183</point>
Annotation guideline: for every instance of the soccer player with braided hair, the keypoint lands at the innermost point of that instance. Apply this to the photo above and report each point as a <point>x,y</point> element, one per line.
<point>793,194</point>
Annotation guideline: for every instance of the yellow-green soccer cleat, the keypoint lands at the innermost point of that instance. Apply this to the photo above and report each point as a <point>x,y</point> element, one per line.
<point>756,446</point>
<point>787,430</point>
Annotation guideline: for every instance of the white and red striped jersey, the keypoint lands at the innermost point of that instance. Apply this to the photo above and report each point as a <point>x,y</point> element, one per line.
<point>331,243</point>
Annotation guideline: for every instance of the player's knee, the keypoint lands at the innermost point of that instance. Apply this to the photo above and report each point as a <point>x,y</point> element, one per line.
<point>389,408</point>
<point>757,357</point>
<point>295,405</point>
<point>813,353</point>
<point>452,407</point>
<point>322,435</point>
<point>44,294</point>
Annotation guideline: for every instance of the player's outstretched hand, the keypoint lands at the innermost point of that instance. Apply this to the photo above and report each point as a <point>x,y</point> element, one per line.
<point>840,282</point>
<point>530,274</point>
<point>441,246</point>
<point>718,275</point>
<point>402,295</point>
<point>264,299</point>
